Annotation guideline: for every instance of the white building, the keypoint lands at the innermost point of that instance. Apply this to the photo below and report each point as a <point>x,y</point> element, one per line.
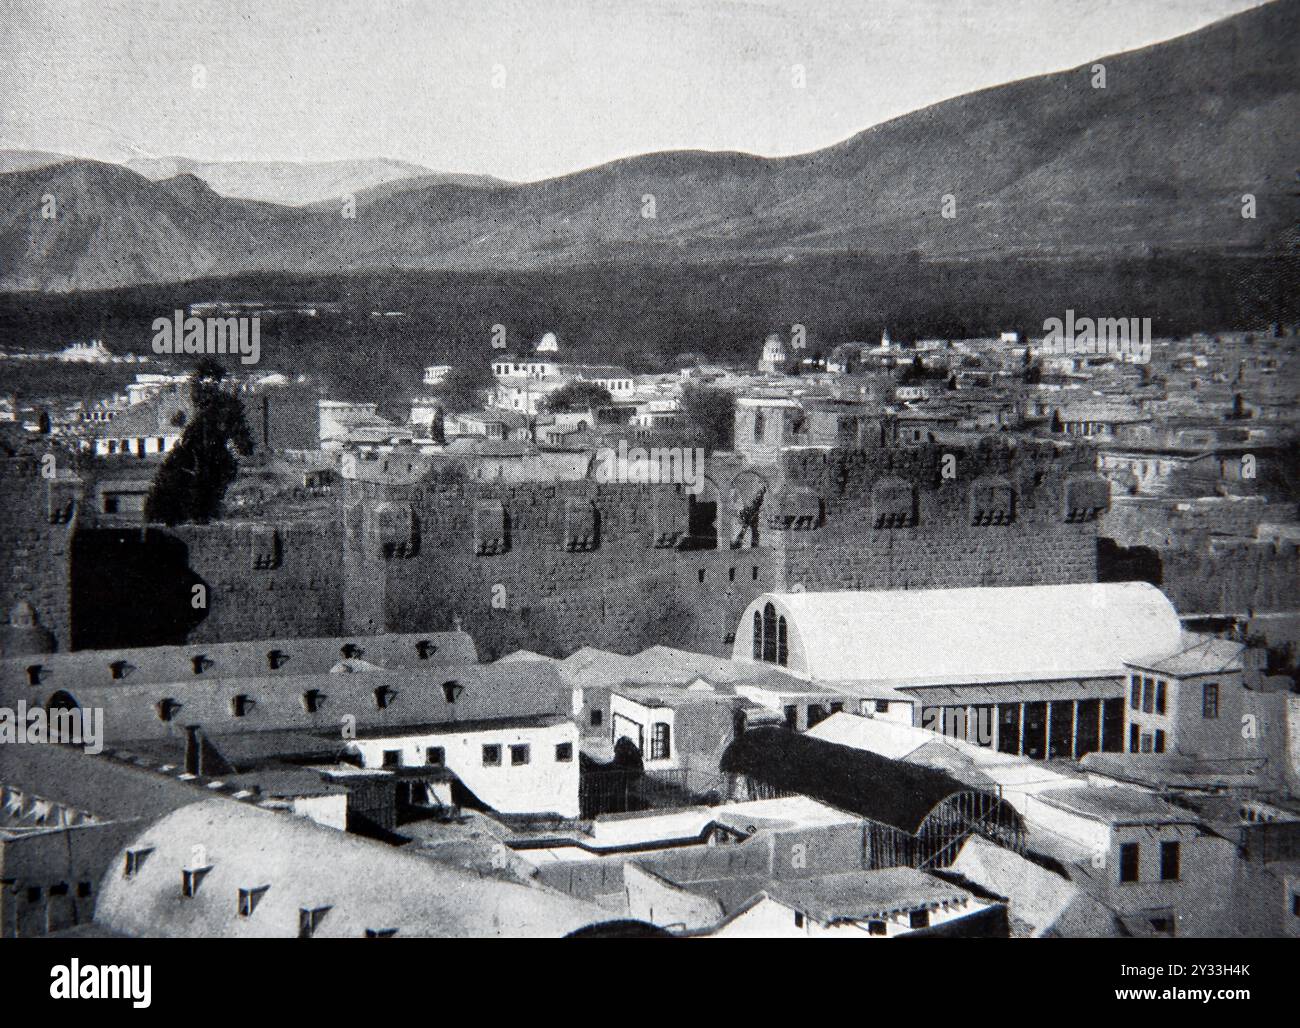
<point>515,766</point>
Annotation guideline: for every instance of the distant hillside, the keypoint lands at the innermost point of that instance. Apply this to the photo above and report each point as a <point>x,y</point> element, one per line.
<point>22,160</point>
<point>284,182</point>
<point>1156,162</point>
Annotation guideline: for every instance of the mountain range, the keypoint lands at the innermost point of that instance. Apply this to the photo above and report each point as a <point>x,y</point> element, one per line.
<point>1159,159</point>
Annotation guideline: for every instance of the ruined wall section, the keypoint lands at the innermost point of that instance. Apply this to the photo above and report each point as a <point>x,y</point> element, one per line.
<point>893,519</point>
<point>545,567</point>
<point>266,580</point>
<point>37,518</point>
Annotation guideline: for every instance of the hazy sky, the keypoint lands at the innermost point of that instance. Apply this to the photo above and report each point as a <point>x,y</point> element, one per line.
<point>577,82</point>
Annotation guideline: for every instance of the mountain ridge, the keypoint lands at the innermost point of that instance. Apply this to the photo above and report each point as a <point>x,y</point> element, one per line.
<point>1158,159</point>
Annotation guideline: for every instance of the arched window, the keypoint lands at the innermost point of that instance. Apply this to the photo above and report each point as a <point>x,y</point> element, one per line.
<point>782,649</point>
<point>758,636</point>
<point>758,428</point>
<point>769,634</point>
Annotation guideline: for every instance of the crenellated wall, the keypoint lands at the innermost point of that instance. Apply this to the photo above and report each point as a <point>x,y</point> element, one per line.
<point>552,567</point>
<point>555,566</point>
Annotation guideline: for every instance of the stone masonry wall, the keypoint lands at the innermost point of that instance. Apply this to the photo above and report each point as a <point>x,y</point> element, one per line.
<point>36,522</point>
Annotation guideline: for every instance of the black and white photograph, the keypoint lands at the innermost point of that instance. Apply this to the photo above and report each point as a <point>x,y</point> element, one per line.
<point>650,470</point>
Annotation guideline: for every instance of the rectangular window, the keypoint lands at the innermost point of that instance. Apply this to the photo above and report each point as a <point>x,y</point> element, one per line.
<point>1210,700</point>
<point>309,921</point>
<point>660,742</point>
<point>1160,741</point>
<point>1160,696</point>
<point>491,756</point>
<point>1146,742</point>
<point>518,755</point>
<point>1133,736</point>
<point>1169,856</point>
<point>791,716</point>
<point>1129,854</point>
<point>918,919</point>
<point>1148,695</point>
<point>392,758</point>
<point>754,576</point>
<point>435,756</point>
<point>563,752</point>
<point>1135,694</point>
<point>249,898</point>
<point>798,919</point>
<point>1295,904</point>
<point>882,706</point>
<point>876,928</point>
<point>597,716</point>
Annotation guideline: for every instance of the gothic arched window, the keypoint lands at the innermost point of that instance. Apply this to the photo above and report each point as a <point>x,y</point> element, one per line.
<point>769,634</point>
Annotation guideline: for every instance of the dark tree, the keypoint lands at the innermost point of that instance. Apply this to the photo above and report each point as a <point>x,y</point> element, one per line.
<point>577,396</point>
<point>462,390</point>
<point>709,416</point>
<point>192,481</point>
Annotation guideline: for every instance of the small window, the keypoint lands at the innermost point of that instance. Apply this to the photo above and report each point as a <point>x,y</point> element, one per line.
<point>1147,742</point>
<point>384,697</point>
<point>200,663</point>
<point>380,933</point>
<point>660,742</point>
<point>731,575</point>
<point>1160,741</point>
<point>451,691</point>
<point>83,889</point>
<point>34,894</point>
<point>597,716</point>
<point>1169,861</point>
<point>1129,856</point>
<point>311,700</point>
<point>34,674</point>
<point>491,756</point>
<point>435,756</point>
<point>798,919</point>
<point>918,919</point>
<point>191,879</point>
<point>1160,696</point>
<point>519,755</point>
<point>392,758</point>
<point>754,575</point>
<point>249,899</point>
<point>563,752</point>
<point>1148,695</point>
<point>241,704</point>
<point>700,575</point>
<point>882,706</point>
<point>425,649</point>
<point>61,889</point>
<point>876,928</point>
<point>1295,904</point>
<point>135,860</point>
<point>1134,738</point>
<point>1135,694</point>
<point>309,921</point>
<point>1210,700</point>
